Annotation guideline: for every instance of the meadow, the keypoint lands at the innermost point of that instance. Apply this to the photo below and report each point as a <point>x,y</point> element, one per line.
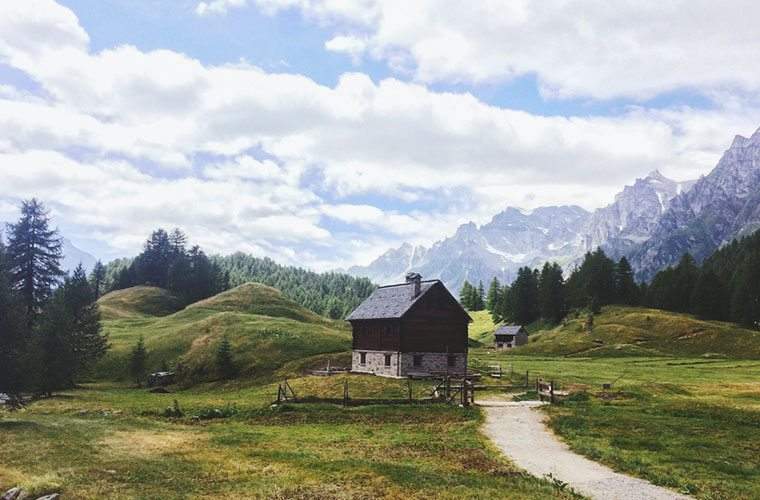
<point>691,423</point>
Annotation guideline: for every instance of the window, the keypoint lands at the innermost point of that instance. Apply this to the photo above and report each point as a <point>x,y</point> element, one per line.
<point>417,360</point>
<point>387,360</point>
<point>452,360</point>
<point>362,358</point>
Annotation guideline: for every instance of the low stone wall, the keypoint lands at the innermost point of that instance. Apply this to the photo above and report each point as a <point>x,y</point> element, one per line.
<point>434,363</point>
<point>375,363</point>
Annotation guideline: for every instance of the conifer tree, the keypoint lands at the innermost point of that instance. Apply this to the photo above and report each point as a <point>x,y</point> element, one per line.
<point>551,293</point>
<point>626,291</point>
<point>98,279</point>
<point>523,304</point>
<point>85,337</point>
<point>138,361</point>
<point>224,362</point>
<point>709,299</point>
<point>494,294</point>
<point>466,295</point>
<point>34,252</point>
<point>12,333</point>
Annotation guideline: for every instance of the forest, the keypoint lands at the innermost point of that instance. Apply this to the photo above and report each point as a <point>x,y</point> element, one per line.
<point>725,287</point>
<point>191,276</point>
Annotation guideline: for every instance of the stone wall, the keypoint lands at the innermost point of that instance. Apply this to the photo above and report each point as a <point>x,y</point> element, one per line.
<point>434,363</point>
<point>375,363</point>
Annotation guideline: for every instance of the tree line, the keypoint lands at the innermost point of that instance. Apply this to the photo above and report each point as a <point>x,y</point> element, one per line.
<point>544,294</point>
<point>726,287</point>
<point>166,262</point>
<point>50,330</point>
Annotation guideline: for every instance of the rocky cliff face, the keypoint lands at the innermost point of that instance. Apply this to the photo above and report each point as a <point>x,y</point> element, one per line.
<point>512,239</point>
<point>720,207</point>
<point>653,222</point>
<point>629,221</point>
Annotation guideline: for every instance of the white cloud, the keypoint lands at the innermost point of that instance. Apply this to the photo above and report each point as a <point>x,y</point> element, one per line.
<point>218,6</point>
<point>119,141</point>
<point>576,48</point>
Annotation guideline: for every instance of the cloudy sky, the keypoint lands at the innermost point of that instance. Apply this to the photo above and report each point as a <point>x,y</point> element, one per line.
<point>322,132</point>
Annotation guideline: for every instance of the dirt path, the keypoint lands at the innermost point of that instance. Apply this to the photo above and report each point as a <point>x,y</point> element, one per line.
<point>518,430</point>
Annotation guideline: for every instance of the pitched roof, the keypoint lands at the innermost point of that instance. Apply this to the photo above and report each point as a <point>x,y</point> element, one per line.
<point>508,330</point>
<point>390,302</point>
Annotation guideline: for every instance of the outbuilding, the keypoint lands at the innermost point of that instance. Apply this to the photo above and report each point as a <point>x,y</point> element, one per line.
<point>416,328</point>
<point>509,336</point>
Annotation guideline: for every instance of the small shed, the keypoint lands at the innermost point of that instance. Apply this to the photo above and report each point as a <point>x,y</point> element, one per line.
<point>509,336</point>
<point>415,328</point>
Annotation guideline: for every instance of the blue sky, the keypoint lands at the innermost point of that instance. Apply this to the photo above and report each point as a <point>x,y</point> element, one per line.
<point>322,133</point>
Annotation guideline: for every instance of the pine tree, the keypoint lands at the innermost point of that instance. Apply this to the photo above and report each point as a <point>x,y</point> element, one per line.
<point>70,334</point>
<point>98,279</point>
<point>710,298</point>
<point>626,291</point>
<point>685,279</point>
<point>494,294</point>
<point>86,335</point>
<point>224,363</point>
<point>138,361</point>
<point>480,301</point>
<point>466,295</point>
<point>12,333</point>
<point>551,293</point>
<point>34,252</point>
<point>523,303</point>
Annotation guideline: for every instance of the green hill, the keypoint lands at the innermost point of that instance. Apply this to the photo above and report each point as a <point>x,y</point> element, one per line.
<point>137,302</point>
<point>630,331</point>
<point>266,331</point>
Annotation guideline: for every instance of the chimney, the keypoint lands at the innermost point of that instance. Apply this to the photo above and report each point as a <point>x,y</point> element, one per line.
<point>416,281</point>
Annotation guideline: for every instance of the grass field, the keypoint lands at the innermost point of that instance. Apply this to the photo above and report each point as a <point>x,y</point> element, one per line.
<point>265,329</point>
<point>109,441</point>
<point>684,408</point>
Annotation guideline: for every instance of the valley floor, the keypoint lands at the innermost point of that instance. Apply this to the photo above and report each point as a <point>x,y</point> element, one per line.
<point>690,424</point>
<point>110,441</point>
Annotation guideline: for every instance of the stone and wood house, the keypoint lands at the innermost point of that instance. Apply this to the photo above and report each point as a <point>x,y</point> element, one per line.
<point>415,328</point>
<point>509,336</point>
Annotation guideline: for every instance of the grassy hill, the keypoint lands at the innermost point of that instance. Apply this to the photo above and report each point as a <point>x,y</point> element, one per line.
<point>138,302</point>
<point>265,329</point>
<point>630,331</point>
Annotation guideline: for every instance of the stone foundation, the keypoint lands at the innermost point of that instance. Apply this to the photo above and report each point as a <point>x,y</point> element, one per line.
<point>402,364</point>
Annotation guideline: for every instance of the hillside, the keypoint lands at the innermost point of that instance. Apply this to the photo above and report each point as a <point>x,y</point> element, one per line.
<point>266,331</point>
<point>137,302</point>
<point>629,331</point>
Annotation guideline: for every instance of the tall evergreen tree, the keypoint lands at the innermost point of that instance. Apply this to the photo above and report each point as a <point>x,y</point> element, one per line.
<point>480,300</point>
<point>745,299</point>
<point>551,293</point>
<point>494,294</point>
<point>523,304</point>
<point>12,333</point>
<point>70,334</point>
<point>98,279</point>
<point>710,299</point>
<point>466,295</point>
<point>224,362</point>
<point>138,359</point>
<point>34,252</point>
<point>626,291</point>
<point>686,276</point>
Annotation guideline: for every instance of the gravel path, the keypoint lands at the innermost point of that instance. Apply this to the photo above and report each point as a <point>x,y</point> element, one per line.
<point>518,430</point>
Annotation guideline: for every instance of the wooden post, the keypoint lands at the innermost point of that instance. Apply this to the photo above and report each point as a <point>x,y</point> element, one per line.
<point>409,386</point>
<point>551,391</point>
<point>526,378</point>
<point>538,390</point>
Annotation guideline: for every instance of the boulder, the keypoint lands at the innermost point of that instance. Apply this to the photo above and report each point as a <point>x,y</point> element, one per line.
<point>12,494</point>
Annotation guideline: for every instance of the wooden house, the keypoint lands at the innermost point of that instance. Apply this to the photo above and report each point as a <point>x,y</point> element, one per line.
<point>509,336</point>
<point>414,328</point>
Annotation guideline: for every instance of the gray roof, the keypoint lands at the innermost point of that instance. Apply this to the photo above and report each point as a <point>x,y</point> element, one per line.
<point>390,302</point>
<point>508,330</point>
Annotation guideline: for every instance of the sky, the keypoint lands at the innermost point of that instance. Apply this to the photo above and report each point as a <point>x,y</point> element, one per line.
<point>323,132</point>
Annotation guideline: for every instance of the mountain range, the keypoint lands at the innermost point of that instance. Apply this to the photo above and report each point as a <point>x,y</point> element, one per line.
<point>653,222</point>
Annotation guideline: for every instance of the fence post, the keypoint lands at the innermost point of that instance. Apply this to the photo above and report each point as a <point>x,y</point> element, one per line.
<point>409,384</point>
<point>526,378</point>
<point>551,391</point>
